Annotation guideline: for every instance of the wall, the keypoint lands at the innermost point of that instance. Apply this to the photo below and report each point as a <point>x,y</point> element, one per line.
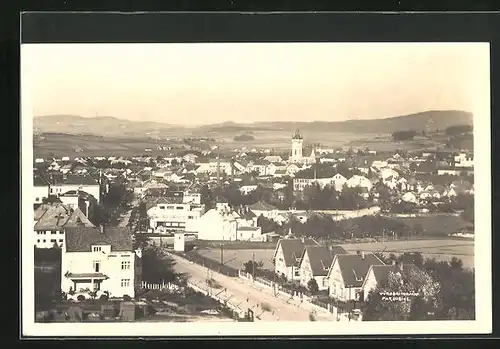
<point>40,193</point>
<point>44,239</point>
<point>369,284</point>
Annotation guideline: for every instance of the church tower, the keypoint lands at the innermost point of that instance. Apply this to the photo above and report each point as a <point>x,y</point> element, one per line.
<point>297,142</point>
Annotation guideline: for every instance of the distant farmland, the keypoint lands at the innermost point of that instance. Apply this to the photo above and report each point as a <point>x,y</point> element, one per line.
<point>66,145</point>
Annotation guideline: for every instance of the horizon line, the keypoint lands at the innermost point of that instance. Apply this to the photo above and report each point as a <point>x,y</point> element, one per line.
<point>248,122</point>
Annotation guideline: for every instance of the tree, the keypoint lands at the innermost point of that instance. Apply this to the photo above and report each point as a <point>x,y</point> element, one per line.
<point>312,286</point>
<point>404,135</point>
<point>252,267</point>
<point>158,266</point>
<point>416,281</point>
<point>141,241</point>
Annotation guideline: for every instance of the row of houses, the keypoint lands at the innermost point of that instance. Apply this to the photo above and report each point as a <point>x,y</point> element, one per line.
<point>60,184</point>
<point>344,276</point>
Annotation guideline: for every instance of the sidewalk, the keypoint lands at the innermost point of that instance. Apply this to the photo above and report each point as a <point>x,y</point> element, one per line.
<point>326,315</point>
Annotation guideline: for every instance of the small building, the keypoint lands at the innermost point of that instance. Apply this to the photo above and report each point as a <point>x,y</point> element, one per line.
<point>315,263</point>
<point>179,242</point>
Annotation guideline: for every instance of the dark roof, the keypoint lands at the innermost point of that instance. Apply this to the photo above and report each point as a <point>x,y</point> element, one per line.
<point>72,179</point>
<point>57,216</point>
<point>80,239</point>
<point>321,258</point>
<point>262,206</point>
<point>354,268</point>
<point>382,272</point>
<point>293,249</point>
<point>39,181</point>
<point>297,135</point>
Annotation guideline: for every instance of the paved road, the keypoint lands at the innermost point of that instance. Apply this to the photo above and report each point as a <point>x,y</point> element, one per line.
<point>240,292</point>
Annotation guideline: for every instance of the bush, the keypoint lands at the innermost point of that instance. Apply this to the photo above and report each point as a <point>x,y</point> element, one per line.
<point>80,298</point>
<point>104,298</point>
<point>127,298</point>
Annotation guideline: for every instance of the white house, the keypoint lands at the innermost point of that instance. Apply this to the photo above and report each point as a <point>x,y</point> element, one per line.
<point>70,182</point>
<point>247,189</point>
<point>249,233</point>
<point>264,209</point>
<point>51,221</point>
<point>287,257</point>
<point>315,263</point>
<point>167,216</point>
<point>359,181</point>
<point>217,225</point>
<point>40,189</point>
<point>464,160</point>
<point>378,275</point>
<point>100,260</point>
<point>338,181</point>
<point>347,274</point>
<point>409,197</point>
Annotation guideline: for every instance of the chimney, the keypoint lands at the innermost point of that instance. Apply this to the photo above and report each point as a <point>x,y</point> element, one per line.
<point>102,228</point>
<point>362,255</point>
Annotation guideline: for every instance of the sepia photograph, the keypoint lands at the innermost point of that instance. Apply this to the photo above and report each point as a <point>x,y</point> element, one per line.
<point>218,187</point>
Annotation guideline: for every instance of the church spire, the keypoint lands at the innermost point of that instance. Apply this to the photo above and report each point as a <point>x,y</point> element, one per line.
<point>297,134</point>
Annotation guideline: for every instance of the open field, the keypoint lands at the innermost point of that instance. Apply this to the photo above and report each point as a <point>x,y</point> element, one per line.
<point>278,140</point>
<point>435,224</point>
<point>441,249</point>
<point>66,145</point>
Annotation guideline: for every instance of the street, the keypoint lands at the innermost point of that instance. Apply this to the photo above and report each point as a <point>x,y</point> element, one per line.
<point>241,293</point>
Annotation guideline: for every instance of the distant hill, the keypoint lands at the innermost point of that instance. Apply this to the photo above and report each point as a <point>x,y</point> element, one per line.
<point>99,126</point>
<point>111,126</point>
<point>428,121</point>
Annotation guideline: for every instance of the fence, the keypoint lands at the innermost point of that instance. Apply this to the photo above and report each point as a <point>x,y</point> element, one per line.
<point>210,264</point>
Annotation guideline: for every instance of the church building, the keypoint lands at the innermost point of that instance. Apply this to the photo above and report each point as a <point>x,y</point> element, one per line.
<point>296,155</point>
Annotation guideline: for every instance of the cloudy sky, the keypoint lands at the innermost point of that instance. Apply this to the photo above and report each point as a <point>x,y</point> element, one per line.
<point>209,83</point>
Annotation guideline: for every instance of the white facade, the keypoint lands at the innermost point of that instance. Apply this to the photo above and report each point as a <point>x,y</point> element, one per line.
<point>280,267</point>
<point>247,233</point>
<point>179,242</point>
<point>217,225</point>
<point>296,155</point>
<point>191,198</point>
<point>40,193</point>
<point>463,160</point>
<point>173,217</point>
<point>47,238</point>
<point>306,274</point>
<point>93,190</point>
<point>337,289</point>
<point>99,269</point>
<point>359,181</point>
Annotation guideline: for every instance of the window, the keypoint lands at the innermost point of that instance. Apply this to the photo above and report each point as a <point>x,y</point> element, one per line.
<point>96,249</point>
<point>61,240</point>
<point>52,232</point>
<point>61,232</point>
<point>190,217</point>
<point>44,240</point>
<point>179,207</point>
<point>170,207</point>
<point>325,282</point>
<point>125,282</point>
<point>38,240</point>
<point>162,207</point>
<point>53,240</point>
<point>125,255</point>
<point>37,199</point>
<point>97,266</point>
<point>125,265</point>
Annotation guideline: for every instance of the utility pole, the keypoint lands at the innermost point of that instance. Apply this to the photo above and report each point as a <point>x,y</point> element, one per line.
<point>253,265</point>
<point>218,165</point>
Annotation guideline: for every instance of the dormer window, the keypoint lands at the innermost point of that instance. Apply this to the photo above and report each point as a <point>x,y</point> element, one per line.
<point>96,248</point>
